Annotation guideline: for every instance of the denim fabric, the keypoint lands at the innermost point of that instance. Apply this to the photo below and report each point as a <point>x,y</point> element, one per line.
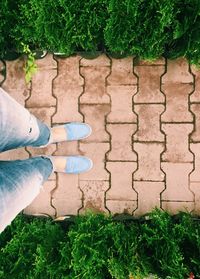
<point>20,180</point>
<point>18,127</point>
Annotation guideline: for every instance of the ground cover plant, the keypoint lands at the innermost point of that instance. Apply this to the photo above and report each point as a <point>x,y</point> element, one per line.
<point>99,246</point>
<point>148,29</point>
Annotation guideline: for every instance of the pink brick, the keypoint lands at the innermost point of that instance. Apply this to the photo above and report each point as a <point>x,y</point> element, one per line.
<point>177,72</point>
<point>96,152</point>
<point>95,115</point>
<point>121,207</point>
<point>177,206</point>
<point>41,205</point>
<point>149,122</point>
<point>15,154</point>
<point>121,185</point>
<point>121,98</point>
<point>160,61</point>
<point>195,175</point>
<point>195,97</point>
<point>149,84</point>
<point>195,136</point>
<point>177,109</point>
<point>67,148</point>
<point>122,72</point>
<point>148,195</point>
<point>177,143</point>
<point>94,195</point>
<point>95,85</point>
<point>121,142</point>
<point>67,88</point>
<point>41,88</point>
<point>177,182</point>
<point>148,161</point>
<point>15,83</point>
<point>195,188</point>
<point>67,197</point>
<point>101,61</point>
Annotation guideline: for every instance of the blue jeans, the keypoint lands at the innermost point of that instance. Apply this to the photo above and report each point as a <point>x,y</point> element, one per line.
<point>20,180</point>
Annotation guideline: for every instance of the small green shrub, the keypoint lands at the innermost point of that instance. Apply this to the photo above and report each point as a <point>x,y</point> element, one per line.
<point>96,246</point>
<point>185,32</point>
<point>139,27</point>
<point>8,19</point>
<point>62,26</point>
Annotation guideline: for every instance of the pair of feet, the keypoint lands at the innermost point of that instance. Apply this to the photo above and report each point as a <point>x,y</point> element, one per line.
<point>69,132</point>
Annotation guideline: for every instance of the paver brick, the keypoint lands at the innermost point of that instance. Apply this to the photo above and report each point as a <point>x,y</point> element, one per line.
<point>67,197</point>
<point>120,206</point>
<point>122,72</point>
<point>121,97</point>
<point>177,143</point>
<point>121,142</point>
<point>177,109</point>
<point>101,61</point>
<point>149,122</point>
<point>95,85</point>
<point>121,181</point>
<point>94,195</point>
<point>177,72</point>
<point>15,83</point>
<point>149,84</point>
<point>67,88</point>
<point>42,203</point>
<point>175,207</point>
<point>96,152</point>
<point>41,85</point>
<point>195,175</point>
<point>148,161</point>
<point>195,136</point>
<point>195,96</point>
<point>15,154</point>
<point>139,62</point>
<point>177,181</point>
<point>94,115</point>
<point>148,195</point>
<point>195,188</point>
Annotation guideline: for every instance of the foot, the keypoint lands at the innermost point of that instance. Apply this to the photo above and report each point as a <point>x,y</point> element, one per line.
<point>71,164</point>
<point>70,131</point>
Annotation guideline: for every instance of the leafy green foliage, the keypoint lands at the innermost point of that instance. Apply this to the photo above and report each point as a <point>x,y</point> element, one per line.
<point>30,65</point>
<point>148,29</point>
<point>96,246</point>
<point>62,26</point>
<point>139,27</point>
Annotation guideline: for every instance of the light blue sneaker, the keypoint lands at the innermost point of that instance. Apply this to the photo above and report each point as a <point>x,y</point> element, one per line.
<point>78,164</point>
<point>77,130</point>
<point>74,164</point>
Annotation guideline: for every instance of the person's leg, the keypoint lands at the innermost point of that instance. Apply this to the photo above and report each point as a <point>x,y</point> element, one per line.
<point>21,180</point>
<point>20,183</point>
<point>18,127</point>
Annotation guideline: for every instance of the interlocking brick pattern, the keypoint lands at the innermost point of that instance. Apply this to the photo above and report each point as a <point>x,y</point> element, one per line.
<point>145,144</point>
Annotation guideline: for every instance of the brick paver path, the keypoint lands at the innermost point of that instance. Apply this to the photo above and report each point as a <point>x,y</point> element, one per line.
<point>145,143</point>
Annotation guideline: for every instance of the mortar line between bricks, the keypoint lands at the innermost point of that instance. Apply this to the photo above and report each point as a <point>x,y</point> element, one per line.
<point>110,136</point>
<point>56,109</point>
<point>137,129</point>
<point>190,135</point>
<point>165,136</point>
<point>79,110</point>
